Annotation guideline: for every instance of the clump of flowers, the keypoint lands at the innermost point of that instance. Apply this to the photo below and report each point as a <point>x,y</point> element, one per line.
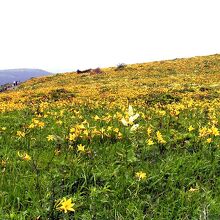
<point>203,132</point>
<point>36,123</point>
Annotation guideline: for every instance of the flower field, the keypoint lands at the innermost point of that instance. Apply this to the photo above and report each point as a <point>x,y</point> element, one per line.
<point>137,142</point>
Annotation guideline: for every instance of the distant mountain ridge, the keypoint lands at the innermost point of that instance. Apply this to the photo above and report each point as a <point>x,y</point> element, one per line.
<point>11,75</point>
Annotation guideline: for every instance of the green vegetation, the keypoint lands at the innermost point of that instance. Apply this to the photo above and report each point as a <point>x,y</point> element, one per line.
<point>67,154</point>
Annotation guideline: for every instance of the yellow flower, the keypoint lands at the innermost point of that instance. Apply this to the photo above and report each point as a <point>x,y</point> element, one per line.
<point>209,140</point>
<point>96,118</point>
<point>160,138</point>
<point>41,124</point>
<point>162,112</point>
<point>102,130</point>
<point>81,148</point>
<point>50,137</point>
<point>149,130</point>
<point>72,130</point>
<point>20,134</point>
<point>119,135</point>
<point>174,112</point>
<point>140,175</point>
<point>116,130</point>
<point>150,142</point>
<point>24,156</point>
<point>191,128</point>
<point>3,128</point>
<point>31,125</point>
<point>35,121</point>
<point>203,132</point>
<point>66,205</point>
<point>80,126</point>
<point>109,128</point>
<point>72,137</point>
<point>193,189</point>
<point>214,131</point>
<point>86,133</point>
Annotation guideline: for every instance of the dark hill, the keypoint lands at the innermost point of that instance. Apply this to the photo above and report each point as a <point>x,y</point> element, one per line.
<point>10,75</point>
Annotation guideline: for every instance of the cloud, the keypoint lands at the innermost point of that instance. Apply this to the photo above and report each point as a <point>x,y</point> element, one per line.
<point>66,35</point>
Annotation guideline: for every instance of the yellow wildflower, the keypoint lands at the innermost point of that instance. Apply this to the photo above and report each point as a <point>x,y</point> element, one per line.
<point>86,133</point>
<point>203,132</point>
<point>81,126</point>
<point>119,135</point>
<point>41,124</point>
<point>191,128</point>
<point>149,130</point>
<point>162,112</point>
<point>116,130</point>
<point>72,130</point>
<point>72,137</point>
<point>174,112</point>
<point>150,142</point>
<point>66,205</point>
<point>24,156</point>
<point>20,134</point>
<point>81,148</point>
<point>96,118</point>
<point>193,189</point>
<point>109,128</point>
<point>31,125</point>
<point>141,175</point>
<point>209,140</point>
<point>35,121</point>
<point>214,131</point>
<point>50,137</point>
<point>160,138</point>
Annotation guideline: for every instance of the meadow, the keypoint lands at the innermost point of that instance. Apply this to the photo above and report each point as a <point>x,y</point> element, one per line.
<point>137,141</point>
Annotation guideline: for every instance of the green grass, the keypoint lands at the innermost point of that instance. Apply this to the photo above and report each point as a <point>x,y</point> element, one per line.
<point>101,181</point>
<point>69,140</point>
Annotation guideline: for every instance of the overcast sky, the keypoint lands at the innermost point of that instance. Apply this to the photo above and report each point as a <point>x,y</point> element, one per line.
<point>65,35</point>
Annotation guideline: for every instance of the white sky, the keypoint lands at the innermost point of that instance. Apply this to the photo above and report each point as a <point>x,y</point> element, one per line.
<point>65,35</point>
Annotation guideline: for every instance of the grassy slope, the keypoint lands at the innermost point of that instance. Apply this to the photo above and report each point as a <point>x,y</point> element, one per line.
<point>182,167</point>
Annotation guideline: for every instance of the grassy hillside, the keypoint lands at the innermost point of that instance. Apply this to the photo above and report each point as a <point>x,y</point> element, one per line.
<point>139,141</point>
